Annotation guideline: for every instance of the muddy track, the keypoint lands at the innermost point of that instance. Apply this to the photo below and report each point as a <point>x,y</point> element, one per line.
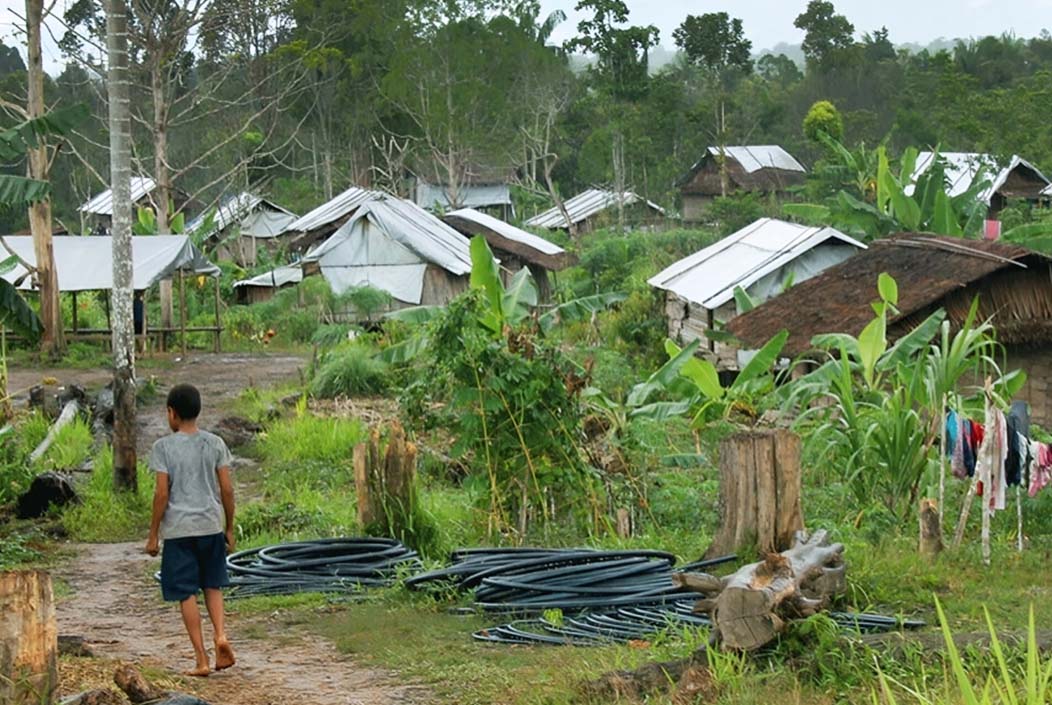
<point>116,606</point>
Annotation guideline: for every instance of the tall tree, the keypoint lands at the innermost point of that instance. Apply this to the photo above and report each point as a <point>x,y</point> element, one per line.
<point>117,84</point>
<point>39,161</point>
<point>825,33</point>
<point>716,44</point>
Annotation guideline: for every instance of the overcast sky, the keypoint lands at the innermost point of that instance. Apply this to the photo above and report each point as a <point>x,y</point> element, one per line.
<point>767,22</point>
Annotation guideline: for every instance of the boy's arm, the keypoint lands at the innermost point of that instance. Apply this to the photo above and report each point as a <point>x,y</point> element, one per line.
<point>160,504</point>
<point>226,494</point>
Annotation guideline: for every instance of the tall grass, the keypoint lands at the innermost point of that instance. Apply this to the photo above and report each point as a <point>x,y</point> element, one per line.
<point>309,441</point>
<point>105,515</point>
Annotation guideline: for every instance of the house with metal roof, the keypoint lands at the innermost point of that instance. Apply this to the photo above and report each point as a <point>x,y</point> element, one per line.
<point>97,212</point>
<point>262,287</point>
<point>1018,179</point>
<point>481,188</point>
<point>241,226</point>
<point>393,245</point>
<point>597,208</point>
<point>762,259</point>
<point>321,222</point>
<point>765,168</point>
<point>514,247</point>
<point>1013,286</point>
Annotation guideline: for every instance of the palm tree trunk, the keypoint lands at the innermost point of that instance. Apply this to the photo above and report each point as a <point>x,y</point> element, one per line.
<point>124,461</point>
<point>53,342</point>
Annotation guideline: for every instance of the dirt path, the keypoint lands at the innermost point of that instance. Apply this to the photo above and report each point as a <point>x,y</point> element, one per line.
<point>220,377</point>
<point>115,604</point>
<point>116,607</point>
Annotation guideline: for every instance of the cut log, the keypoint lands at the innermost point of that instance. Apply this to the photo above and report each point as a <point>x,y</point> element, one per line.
<point>749,608</point>
<point>384,478</point>
<point>28,638</point>
<point>69,412</point>
<point>930,529</point>
<point>759,492</point>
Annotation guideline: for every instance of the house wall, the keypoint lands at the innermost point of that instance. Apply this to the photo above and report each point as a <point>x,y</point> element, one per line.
<point>1037,363</point>
<point>694,206</point>
<point>441,287</point>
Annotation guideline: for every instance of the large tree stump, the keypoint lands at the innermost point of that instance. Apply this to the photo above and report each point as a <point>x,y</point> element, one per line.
<point>759,491</point>
<point>28,638</point>
<point>749,608</point>
<point>384,479</point>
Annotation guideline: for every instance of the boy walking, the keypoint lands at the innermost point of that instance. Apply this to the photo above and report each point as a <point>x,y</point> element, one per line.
<point>193,509</point>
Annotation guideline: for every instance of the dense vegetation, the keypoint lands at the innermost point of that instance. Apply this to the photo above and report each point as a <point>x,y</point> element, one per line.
<point>300,99</point>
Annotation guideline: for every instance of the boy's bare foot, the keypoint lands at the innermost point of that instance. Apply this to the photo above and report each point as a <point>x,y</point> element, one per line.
<point>199,672</point>
<point>224,655</point>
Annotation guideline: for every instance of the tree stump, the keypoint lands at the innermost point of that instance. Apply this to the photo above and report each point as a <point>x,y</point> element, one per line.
<point>930,530</point>
<point>749,608</point>
<point>28,638</point>
<point>384,479</point>
<point>759,492</point>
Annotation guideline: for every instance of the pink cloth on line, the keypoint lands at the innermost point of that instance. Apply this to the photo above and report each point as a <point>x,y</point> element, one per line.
<point>1040,469</point>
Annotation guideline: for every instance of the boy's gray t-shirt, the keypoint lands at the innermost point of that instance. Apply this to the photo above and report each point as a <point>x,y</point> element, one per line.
<point>190,461</point>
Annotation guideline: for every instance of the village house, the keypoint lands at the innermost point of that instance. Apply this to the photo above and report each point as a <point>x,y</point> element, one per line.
<point>485,189</point>
<point>514,248</point>
<point>321,222</point>
<point>393,245</point>
<point>762,259</point>
<point>1018,179</point>
<point>598,208</point>
<point>752,169</point>
<point>242,227</point>
<point>96,214</point>
<point>1013,285</point>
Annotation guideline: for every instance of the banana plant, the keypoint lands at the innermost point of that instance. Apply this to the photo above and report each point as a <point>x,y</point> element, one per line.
<point>146,221</point>
<point>710,399</point>
<point>902,203</point>
<point>504,307</point>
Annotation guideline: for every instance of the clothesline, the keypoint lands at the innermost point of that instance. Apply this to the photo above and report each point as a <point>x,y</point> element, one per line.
<point>1013,458</point>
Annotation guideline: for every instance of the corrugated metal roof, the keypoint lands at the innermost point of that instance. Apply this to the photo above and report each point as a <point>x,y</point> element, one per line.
<point>234,209</point>
<point>276,278</point>
<point>760,156</point>
<point>963,167</point>
<point>334,209</point>
<point>508,230</point>
<point>505,237</point>
<point>709,277</point>
<point>584,205</point>
<point>102,204</point>
<point>410,225</point>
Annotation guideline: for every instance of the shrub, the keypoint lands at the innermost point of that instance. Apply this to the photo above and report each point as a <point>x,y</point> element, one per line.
<point>349,371</point>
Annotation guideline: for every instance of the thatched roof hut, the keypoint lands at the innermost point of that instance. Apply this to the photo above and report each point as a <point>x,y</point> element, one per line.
<point>1013,285</point>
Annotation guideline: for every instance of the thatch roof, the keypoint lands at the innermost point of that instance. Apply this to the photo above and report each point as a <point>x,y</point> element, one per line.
<point>1014,285</point>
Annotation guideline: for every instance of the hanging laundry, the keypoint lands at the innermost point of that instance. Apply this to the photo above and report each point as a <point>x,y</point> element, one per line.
<point>955,440</point>
<point>1018,429</point>
<point>1040,468</point>
<point>972,433</point>
<point>990,461</point>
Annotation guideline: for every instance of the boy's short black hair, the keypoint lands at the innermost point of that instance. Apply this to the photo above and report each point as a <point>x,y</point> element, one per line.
<point>185,400</point>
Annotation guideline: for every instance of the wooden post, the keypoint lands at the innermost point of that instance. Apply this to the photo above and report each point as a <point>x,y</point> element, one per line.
<point>759,491</point>
<point>930,531</point>
<point>28,638</point>
<point>942,459</point>
<point>219,321</point>
<point>74,312</point>
<point>182,311</point>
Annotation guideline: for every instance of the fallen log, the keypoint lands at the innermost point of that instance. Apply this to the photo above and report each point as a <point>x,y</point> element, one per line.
<point>69,412</point>
<point>749,608</point>
<point>141,691</point>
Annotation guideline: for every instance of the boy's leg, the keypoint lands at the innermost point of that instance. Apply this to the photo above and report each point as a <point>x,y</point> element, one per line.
<point>214,603</point>
<point>192,622</point>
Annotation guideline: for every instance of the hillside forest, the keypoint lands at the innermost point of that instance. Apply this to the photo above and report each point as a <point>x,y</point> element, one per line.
<point>297,99</point>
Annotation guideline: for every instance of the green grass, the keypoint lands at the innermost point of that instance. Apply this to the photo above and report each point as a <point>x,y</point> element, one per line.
<point>428,646</point>
<point>104,515</point>
<point>71,447</point>
<point>310,441</point>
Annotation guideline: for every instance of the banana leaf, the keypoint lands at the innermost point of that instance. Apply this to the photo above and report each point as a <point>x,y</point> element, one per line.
<point>416,314</point>
<point>580,308</point>
<point>763,360</point>
<point>16,314</point>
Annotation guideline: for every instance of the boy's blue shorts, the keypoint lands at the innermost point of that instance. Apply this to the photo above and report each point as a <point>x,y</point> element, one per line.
<point>192,563</point>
